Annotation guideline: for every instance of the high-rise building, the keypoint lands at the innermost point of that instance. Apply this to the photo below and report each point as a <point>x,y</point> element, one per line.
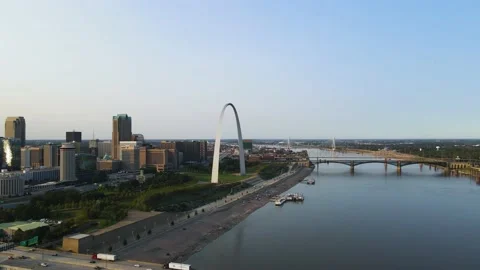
<point>50,155</point>
<point>121,131</point>
<point>193,151</point>
<point>36,157</point>
<point>73,136</point>
<point>25,157</point>
<point>15,128</point>
<point>67,162</point>
<point>104,148</point>
<point>130,156</point>
<point>139,138</point>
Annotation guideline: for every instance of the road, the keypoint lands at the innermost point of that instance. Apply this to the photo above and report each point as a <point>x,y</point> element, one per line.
<point>65,260</point>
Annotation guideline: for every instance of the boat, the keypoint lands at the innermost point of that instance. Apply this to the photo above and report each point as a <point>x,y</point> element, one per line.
<point>280,201</point>
<point>311,182</point>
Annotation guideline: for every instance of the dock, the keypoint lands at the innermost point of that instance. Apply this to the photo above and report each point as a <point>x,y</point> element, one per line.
<point>292,197</point>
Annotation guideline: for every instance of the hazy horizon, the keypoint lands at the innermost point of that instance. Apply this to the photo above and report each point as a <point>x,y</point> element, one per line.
<point>303,69</point>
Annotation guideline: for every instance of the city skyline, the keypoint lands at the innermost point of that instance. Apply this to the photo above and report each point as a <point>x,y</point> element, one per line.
<point>300,70</point>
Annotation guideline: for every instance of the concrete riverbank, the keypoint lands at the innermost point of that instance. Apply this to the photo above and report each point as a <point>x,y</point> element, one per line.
<point>182,241</point>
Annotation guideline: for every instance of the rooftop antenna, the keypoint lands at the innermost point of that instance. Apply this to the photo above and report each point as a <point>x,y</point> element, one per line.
<point>93,138</point>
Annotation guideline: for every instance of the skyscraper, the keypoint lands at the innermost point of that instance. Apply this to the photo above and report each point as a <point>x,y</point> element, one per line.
<point>50,155</point>
<point>15,128</point>
<point>73,136</point>
<point>130,156</point>
<point>122,131</point>
<point>67,162</point>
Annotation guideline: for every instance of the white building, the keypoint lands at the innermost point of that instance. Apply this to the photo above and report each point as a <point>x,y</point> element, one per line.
<point>42,174</point>
<point>67,162</point>
<point>11,184</point>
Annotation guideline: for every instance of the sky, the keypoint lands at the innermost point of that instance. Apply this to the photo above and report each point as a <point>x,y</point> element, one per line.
<point>300,69</point>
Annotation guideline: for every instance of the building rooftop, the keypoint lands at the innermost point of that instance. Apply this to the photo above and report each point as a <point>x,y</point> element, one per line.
<point>78,236</point>
<point>132,217</point>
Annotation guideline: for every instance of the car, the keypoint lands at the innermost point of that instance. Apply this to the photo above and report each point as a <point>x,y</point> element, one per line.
<point>10,257</point>
<point>44,264</point>
<point>97,267</point>
<point>32,249</point>
<point>22,257</point>
<point>92,261</point>
<point>136,265</point>
<point>149,269</point>
<point>55,254</point>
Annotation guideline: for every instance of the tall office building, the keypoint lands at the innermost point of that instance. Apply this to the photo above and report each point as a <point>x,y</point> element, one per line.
<point>15,128</point>
<point>67,162</point>
<point>122,131</point>
<point>50,155</point>
<point>130,156</point>
<point>73,136</point>
<point>25,157</point>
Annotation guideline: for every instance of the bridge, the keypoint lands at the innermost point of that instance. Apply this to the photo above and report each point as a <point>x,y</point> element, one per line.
<point>398,163</point>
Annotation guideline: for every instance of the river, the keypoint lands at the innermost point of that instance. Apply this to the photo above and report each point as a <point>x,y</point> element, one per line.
<point>372,220</point>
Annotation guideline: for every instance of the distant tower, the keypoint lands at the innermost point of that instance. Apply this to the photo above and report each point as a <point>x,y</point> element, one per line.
<point>73,136</point>
<point>288,144</point>
<point>15,128</point>
<point>121,131</point>
<point>67,162</point>
<point>333,144</point>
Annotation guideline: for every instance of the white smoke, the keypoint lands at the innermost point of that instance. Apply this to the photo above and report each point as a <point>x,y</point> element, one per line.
<point>7,149</point>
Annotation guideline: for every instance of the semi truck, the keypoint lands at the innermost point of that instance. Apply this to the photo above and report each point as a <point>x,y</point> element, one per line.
<point>104,257</point>
<point>179,266</point>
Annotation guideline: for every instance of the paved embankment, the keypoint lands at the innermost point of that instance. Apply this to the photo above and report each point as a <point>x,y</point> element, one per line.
<point>191,235</point>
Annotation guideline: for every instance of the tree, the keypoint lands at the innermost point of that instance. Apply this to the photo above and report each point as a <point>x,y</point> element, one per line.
<point>138,236</point>
<point>149,232</point>
<point>110,249</point>
<point>124,242</point>
<point>99,177</point>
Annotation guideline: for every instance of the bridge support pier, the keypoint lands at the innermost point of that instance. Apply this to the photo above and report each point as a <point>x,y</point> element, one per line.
<point>447,170</point>
<point>421,166</point>
<point>399,168</point>
<point>352,167</point>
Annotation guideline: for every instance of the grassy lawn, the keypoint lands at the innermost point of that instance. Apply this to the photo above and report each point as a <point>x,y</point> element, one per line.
<point>223,178</point>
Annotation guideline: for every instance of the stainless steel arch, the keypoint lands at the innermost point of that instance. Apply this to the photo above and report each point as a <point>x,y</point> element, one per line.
<point>216,152</point>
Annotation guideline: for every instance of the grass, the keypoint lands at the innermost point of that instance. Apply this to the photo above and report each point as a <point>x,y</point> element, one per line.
<point>222,178</point>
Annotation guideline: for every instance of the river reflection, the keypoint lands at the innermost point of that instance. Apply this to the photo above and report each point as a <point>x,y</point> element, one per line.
<point>371,220</point>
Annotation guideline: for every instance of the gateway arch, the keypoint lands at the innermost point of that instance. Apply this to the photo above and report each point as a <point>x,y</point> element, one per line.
<point>216,152</point>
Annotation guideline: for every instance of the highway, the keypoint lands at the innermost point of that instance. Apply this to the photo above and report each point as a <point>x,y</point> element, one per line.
<point>65,260</point>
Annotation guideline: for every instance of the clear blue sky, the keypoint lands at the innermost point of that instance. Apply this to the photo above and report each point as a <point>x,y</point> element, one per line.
<point>304,69</point>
